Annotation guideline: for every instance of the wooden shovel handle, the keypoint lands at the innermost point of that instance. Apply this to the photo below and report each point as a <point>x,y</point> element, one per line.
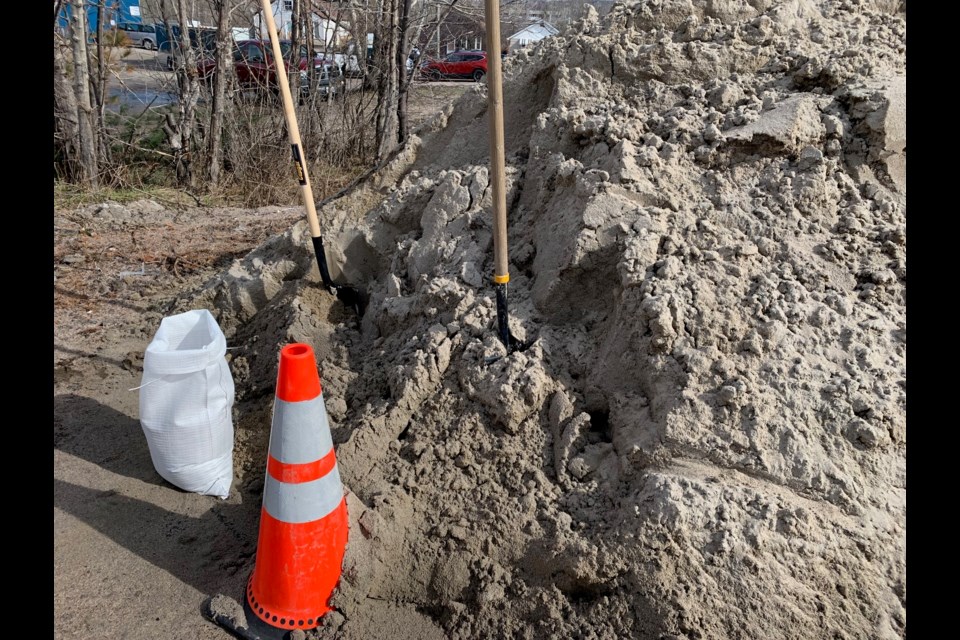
<point>306,191</point>
<point>497,165</point>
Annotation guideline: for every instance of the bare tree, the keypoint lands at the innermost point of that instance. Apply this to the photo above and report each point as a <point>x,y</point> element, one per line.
<point>99,85</point>
<point>293,75</point>
<point>57,8</point>
<point>386,54</point>
<point>66,134</point>
<point>222,138</point>
<point>180,130</point>
<point>222,78</point>
<point>403,77</point>
<point>89,166</point>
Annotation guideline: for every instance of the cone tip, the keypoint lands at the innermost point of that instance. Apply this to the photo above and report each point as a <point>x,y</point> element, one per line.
<point>297,350</point>
<point>297,378</point>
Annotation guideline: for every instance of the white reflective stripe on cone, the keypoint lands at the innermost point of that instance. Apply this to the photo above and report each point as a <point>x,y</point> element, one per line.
<point>300,502</point>
<point>300,432</point>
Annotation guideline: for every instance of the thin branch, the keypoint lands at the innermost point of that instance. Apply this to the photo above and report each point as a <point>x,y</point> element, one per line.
<point>57,7</point>
<point>138,148</point>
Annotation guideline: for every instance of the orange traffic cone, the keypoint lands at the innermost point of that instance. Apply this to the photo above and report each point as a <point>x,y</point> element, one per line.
<point>303,521</point>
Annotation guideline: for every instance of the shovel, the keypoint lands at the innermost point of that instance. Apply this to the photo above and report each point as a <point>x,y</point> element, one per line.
<point>350,296</point>
<point>501,274</point>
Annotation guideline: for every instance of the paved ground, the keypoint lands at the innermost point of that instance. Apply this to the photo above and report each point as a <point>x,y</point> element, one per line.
<point>138,82</point>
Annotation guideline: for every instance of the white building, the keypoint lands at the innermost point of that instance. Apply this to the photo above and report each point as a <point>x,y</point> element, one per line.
<point>531,33</point>
<point>325,32</point>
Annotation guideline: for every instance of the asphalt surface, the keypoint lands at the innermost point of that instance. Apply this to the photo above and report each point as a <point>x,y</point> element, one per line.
<point>139,82</point>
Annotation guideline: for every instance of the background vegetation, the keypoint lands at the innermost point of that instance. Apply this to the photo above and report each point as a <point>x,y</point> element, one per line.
<point>207,140</point>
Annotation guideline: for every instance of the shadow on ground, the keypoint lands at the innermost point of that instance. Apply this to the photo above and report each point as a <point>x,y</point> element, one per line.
<point>205,552</point>
<point>104,436</point>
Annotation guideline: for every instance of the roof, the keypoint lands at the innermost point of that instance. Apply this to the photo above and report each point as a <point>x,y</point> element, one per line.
<point>546,26</point>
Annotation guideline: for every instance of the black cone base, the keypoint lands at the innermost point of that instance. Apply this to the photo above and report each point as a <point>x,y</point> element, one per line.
<point>253,628</point>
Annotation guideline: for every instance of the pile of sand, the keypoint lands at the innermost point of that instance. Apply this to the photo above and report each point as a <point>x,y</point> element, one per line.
<point>707,243</point>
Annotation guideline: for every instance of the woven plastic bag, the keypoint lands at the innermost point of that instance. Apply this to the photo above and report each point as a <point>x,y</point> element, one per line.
<point>186,402</point>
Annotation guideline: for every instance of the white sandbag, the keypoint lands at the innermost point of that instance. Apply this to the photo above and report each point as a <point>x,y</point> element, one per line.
<point>186,400</point>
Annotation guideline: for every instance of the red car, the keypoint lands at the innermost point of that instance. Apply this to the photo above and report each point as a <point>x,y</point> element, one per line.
<point>462,64</point>
<point>255,67</point>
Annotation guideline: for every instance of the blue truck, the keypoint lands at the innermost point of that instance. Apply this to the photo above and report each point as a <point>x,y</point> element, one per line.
<point>112,12</point>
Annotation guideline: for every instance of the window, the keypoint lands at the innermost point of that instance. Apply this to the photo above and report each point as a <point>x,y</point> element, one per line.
<point>288,5</point>
<point>253,53</point>
<point>478,43</point>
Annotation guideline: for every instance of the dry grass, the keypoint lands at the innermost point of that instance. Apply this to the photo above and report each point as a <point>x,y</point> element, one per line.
<point>68,196</point>
<point>337,139</point>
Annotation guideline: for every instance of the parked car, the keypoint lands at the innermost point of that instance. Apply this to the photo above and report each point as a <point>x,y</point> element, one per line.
<point>140,35</point>
<point>202,39</point>
<point>328,78</point>
<point>166,58</point>
<point>255,68</point>
<point>461,64</point>
<point>349,65</point>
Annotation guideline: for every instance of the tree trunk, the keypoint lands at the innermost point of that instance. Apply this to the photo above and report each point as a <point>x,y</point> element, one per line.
<point>403,77</point>
<point>66,134</point>
<point>219,103</point>
<point>309,119</point>
<point>307,31</point>
<point>81,86</point>
<point>100,90</point>
<point>293,71</point>
<point>355,124</point>
<point>180,131</point>
<point>387,52</point>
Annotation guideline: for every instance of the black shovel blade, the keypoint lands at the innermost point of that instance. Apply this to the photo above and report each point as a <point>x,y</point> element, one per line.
<point>353,297</point>
<point>514,345</point>
<point>519,345</point>
<point>511,342</point>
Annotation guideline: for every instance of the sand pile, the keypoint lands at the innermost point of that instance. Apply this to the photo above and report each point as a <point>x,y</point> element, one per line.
<point>707,241</point>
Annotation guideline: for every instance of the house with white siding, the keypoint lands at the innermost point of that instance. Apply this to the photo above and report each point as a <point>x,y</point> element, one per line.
<point>325,32</point>
<point>531,33</point>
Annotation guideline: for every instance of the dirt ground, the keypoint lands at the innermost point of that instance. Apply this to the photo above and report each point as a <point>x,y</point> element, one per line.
<point>124,539</point>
